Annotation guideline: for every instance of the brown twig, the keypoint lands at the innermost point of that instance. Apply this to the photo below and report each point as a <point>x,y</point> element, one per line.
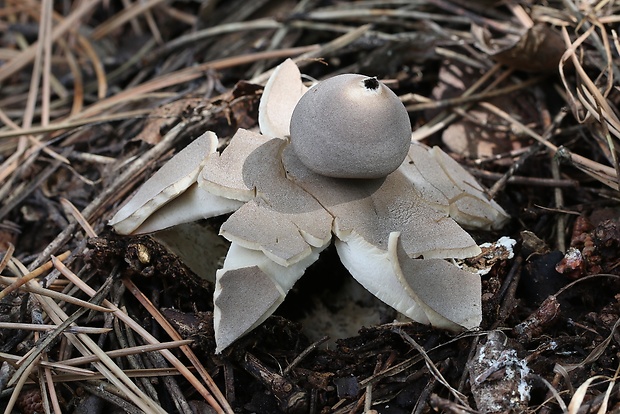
<point>221,402</point>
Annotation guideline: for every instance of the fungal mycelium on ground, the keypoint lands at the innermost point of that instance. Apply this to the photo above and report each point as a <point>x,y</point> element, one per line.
<point>332,162</point>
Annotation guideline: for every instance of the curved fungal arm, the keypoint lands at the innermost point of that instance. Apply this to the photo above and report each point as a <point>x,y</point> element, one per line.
<point>248,290</point>
<point>172,180</point>
<point>429,291</point>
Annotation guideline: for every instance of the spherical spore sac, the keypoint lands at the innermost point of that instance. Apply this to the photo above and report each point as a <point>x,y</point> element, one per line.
<point>351,126</point>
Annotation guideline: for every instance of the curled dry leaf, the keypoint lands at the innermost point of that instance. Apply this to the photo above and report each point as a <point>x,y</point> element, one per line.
<point>164,116</point>
<point>537,49</point>
<point>392,232</point>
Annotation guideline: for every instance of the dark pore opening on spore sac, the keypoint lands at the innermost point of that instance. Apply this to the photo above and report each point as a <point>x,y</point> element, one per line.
<point>371,83</point>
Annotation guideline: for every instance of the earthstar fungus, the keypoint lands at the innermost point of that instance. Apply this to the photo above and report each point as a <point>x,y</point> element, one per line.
<point>393,224</point>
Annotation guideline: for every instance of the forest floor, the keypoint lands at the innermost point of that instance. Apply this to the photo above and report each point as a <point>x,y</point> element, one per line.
<point>523,94</point>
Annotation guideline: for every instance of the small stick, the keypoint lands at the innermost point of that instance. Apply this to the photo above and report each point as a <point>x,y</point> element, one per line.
<point>127,351</point>
<point>521,15</point>
<point>19,282</point>
<point>559,204</point>
<point>58,366</point>
<point>78,217</point>
<point>528,181</point>
<point>35,288</point>
<point>7,257</point>
<point>303,354</point>
<point>163,322</point>
<point>25,57</point>
<point>45,328</point>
